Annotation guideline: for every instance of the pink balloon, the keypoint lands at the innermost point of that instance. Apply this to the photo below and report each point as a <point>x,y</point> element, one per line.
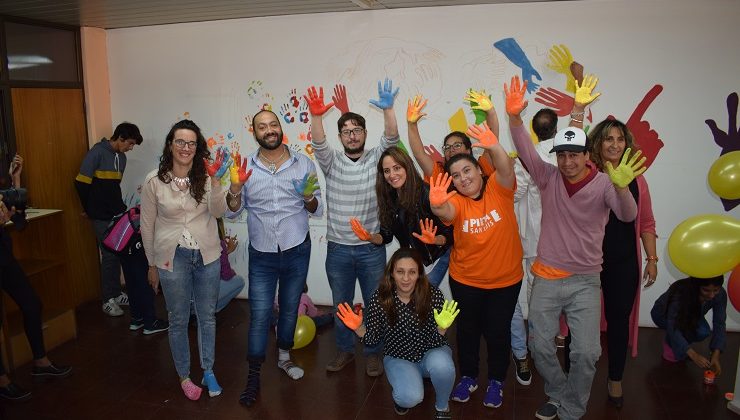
<point>733,288</point>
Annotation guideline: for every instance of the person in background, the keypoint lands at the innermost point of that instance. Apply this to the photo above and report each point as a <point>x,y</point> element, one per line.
<point>14,282</point>
<point>411,317</point>
<point>99,188</point>
<point>621,271</point>
<point>231,284</point>
<point>680,312</point>
<point>180,203</point>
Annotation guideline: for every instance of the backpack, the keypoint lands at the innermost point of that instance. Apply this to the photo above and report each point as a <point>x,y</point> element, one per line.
<point>123,236</point>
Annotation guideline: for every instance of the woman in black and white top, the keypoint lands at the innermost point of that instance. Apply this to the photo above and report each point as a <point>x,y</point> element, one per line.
<point>411,317</point>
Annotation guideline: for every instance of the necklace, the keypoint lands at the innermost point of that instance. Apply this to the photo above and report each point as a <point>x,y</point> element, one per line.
<point>180,182</point>
<point>272,166</point>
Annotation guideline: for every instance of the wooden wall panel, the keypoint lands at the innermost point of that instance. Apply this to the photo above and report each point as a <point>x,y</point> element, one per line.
<point>52,138</point>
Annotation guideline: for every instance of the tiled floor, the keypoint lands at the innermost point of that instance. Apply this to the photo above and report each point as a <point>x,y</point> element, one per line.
<point>120,374</point>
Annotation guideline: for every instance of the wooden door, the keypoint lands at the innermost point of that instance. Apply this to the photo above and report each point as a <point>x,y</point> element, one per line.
<point>52,138</point>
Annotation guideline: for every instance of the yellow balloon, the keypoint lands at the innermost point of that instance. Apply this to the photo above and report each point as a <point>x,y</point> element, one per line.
<point>724,176</point>
<point>305,331</point>
<point>705,245</point>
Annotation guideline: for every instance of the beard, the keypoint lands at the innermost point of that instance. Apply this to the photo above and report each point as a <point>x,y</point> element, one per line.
<point>270,144</point>
<point>352,150</point>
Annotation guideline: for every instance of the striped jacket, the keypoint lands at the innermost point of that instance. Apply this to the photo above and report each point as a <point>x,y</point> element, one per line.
<point>99,181</point>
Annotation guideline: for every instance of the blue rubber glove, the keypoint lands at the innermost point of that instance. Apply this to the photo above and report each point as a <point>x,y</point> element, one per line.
<point>386,95</point>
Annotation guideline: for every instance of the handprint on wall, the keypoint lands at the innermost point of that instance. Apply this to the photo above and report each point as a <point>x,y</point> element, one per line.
<point>558,101</point>
<point>286,114</point>
<point>645,137</point>
<point>516,55</point>
<point>728,141</point>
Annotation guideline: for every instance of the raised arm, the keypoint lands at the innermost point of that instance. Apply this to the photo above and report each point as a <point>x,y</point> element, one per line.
<point>413,115</point>
<point>501,161</point>
<point>623,204</point>
<point>16,167</point>
<point>480,101</point>
<point>439,197</point>
<point>584,97</point>
<point>386,97</point>
<point>317,108</point>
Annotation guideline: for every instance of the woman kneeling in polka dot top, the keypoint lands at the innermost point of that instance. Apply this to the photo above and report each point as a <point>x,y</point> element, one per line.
<point>411,316</point>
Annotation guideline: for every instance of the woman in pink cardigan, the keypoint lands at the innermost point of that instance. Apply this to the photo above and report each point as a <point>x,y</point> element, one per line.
<point>622,266</point>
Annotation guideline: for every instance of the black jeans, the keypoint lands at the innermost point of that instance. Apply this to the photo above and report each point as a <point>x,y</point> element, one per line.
<point>14,282</point>
<point>619,285</point>
<point>140,294</point>
<point>485,312</point>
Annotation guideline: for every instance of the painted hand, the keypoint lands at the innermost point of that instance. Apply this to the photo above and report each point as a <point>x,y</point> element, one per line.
<point>515,102</point>
<point>238,174</point>
<point>359,230</point>
<point>225,164</point>
<point>386,95</point>
<point>428,232</point>
<point>315,101</point>
<point>560,61</point>
<point>448,314</point>
<point>212,168</point>
<point>479,101</point>
<point>584,91</point>
<point>414,109</point>
<point>438,194</point>
<point>349,318</point>
<point>305,187</point>
<point>484,135</point>
<point>340,98</point>
<point>629,168</point>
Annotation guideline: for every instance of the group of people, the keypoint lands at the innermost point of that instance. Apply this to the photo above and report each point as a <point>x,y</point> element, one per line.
<point>570,214</point>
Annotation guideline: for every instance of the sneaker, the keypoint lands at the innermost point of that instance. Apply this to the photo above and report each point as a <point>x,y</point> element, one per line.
<point>111,308</point>
<point>209,381</point>
<point>158,325</point>
<point>401,411</point>
<point>51,371</point>
<point>462,391</point>
<point>548,411</point>
<point>136,324</point>
<point>341,360</point>
<point>443,415</point>
<point>494,394</point>
<point>191,390</point>
<point>559,341</point>
<point>523,374</point>
<point>373,365</point>
<point>122,299</point>
<point>13,392</point>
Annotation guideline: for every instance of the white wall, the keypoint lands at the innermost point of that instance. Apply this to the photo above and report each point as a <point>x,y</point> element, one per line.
<point>204,71</point>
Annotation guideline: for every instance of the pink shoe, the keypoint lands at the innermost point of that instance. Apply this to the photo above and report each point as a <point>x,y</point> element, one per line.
<point>668,353</point>
<point>191,390</point>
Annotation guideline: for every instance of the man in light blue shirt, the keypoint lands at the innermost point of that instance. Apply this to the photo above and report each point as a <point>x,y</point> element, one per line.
<point>279,196</point>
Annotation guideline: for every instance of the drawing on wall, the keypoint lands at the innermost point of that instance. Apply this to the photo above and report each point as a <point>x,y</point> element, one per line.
<point>511,49</point>
<point>647,138</point>
<point>413,66</point>
<point>728,141</point>
<point>561,61</point>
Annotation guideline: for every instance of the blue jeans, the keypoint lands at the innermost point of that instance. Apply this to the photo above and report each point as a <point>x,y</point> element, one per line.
<point>191,279</point>
<point>227,290</point>
<point>518,334</point>
<point>344,264</point>
<point>289,269</point>
<point>406,377</point>
<point>579,298</point>
<point>440,269</point>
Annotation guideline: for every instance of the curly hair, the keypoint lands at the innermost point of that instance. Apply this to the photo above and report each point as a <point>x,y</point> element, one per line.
<point>421,297</point>
<point>197,173</point>
<point>598,134</point>
<point>407,198</point>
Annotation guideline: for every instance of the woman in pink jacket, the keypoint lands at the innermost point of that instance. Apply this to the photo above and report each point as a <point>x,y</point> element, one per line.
<point>622,266</point>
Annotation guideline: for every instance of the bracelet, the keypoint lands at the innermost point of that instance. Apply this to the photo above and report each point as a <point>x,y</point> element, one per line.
<point>309,200</point>
<point>576,120</point>
<point>577,114</point>
<point>233,195</point>
<point>652,258</point>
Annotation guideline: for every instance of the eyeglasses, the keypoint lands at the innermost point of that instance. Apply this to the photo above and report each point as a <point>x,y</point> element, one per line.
<point>356,131</point>
<point>180,144</point>
<point>454,146</point>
